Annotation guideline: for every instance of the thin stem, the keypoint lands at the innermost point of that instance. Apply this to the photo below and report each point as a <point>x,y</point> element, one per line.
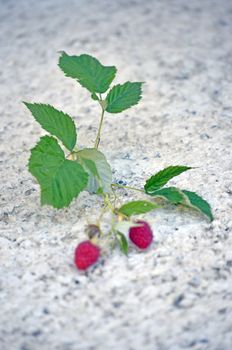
<point>98,138</point>
<point>107,202</point>
<point>128,187</point>
<point>115,197</point>
<point>102,213</point>
<point>71,156</point>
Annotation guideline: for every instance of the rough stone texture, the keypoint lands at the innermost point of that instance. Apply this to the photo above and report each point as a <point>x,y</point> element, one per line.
<point>178,295</point>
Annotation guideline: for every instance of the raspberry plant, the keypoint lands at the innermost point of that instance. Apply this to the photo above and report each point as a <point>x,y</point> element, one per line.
<point>63,170</point>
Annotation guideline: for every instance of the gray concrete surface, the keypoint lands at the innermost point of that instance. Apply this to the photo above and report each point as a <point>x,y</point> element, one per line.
<point>178,295</point>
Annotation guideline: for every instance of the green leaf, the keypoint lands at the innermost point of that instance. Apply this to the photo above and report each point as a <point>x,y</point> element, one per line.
<point>94,97</point>
<point>96,165</point>
<point>88,71</point>
<point>56,122</point>
<point>123,243</point>
<point>137,207</point>
<point>190,199</point>
<point>198,203</point>
<point>158,180</point>
<point>171,194</point>
<point>60,179</point>
<point>90,167</point>
<point>121,97</point>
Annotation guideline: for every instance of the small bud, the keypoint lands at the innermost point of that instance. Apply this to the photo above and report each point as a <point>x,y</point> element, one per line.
<point>92,231</point>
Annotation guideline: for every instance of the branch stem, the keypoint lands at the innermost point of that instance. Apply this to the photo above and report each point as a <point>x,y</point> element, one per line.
<point>98,138</point>
<point>128,187</point>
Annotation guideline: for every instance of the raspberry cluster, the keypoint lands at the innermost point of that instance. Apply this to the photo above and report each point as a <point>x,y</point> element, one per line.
<point>88,253</point>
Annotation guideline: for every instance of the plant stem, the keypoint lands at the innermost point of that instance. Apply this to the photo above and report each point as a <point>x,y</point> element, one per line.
<point>128,187</point>
<point>98,138</point>
<point>107,202</point>
<point>102,213</point>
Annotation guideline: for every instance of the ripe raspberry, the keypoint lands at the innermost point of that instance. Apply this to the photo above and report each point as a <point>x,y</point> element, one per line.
<point>141,236</point>
<point>86,254</point>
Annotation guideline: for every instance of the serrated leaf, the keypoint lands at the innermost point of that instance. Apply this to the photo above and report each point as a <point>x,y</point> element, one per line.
<point>171,194</point>
<point>137,207</point>
<point>90,167</point>
<point>121,97</point>
<point>197,202</point>
<point>96,165</point>
<point>60,179</point>
<point>187,198</point>
<point>56,122</point>
<point>88,71</point>
<point>123,243</point>
<point>158,180</point>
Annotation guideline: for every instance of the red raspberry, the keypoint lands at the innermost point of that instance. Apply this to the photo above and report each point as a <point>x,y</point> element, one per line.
<point>86,254</point>
<point>141,236</point>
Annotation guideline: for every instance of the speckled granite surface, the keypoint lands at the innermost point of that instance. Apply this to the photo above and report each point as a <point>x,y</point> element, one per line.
<point>179,294</point>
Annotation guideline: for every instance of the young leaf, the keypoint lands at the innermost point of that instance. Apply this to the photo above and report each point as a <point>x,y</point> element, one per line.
<point>96,165</point>
<point>137,207</point>
<point>158,180</point>
<point>88,71</point>
<point>195,201</point>
<point>60,179</point>
<point>56,122</point>
<point>171,194</point>
<point>122,242</point>
<point>121,97</point>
